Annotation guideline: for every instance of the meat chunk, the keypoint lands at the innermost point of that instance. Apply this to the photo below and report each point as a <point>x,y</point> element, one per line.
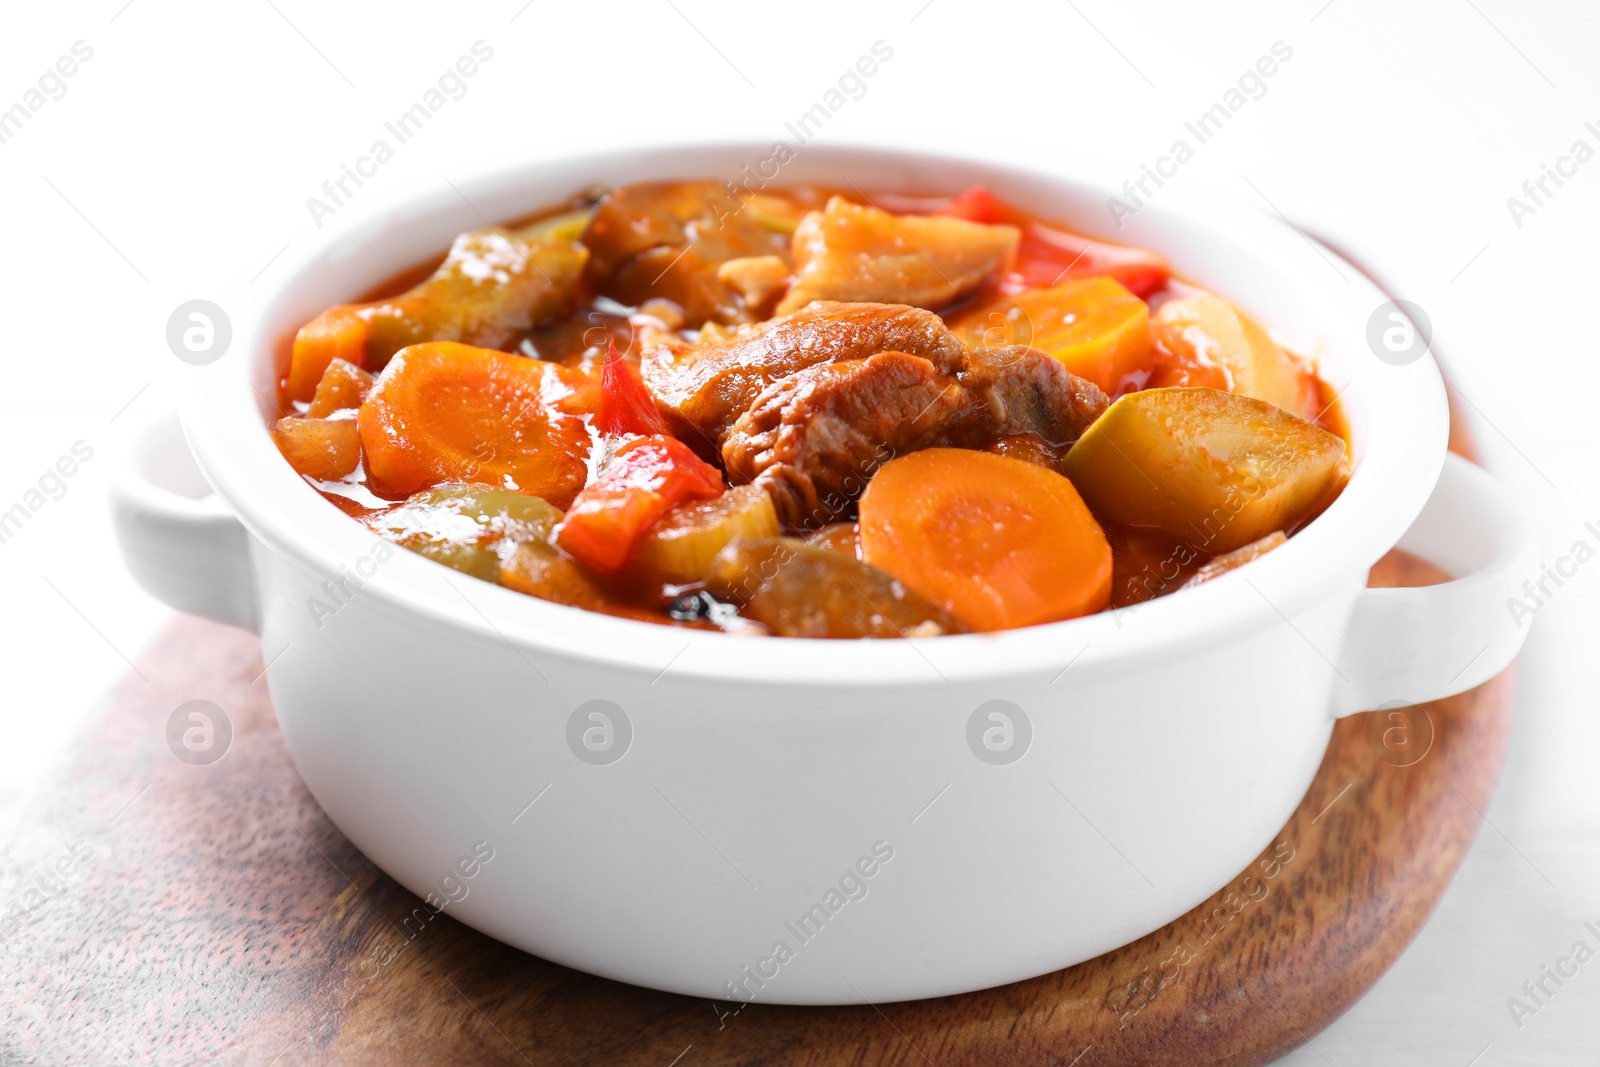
<point>822,431</point>
<point>706,387</point>
<point>1023,390</point>
<point>667,239</point>
<point>810,404</point>
<point>759,280</point>
<point>814,438</point>
<point>852,252</point>
<point>800,590</point>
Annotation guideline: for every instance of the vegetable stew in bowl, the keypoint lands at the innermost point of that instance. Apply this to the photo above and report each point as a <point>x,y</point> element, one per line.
<point>811,412</point>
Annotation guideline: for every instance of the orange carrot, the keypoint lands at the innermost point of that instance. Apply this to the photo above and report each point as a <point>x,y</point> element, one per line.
<point>338,333</point>
<point>570,391</point>
<point>996,542</point>
<point>1094,326</point>
<point>448,412</point>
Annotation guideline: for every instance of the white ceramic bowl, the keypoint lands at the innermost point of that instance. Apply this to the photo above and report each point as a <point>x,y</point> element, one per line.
<point>1168,742</point>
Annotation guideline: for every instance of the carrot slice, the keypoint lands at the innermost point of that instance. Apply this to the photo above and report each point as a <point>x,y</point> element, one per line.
<point>996,542</point>
<point>645,479</point>
<point>448,412</point>
<point>1094,326</point>
<point>568,390</point>
<point>338,333</point>
<point>493,288</point>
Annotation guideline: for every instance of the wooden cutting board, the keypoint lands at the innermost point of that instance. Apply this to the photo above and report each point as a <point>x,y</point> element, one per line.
<point>153,911</point>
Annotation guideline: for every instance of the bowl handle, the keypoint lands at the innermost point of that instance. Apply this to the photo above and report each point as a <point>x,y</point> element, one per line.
<point>181,543</point>
<point>1418,644</point>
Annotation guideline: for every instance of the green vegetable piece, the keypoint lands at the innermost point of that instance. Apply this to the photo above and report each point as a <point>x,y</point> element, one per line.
<point>467,527</point>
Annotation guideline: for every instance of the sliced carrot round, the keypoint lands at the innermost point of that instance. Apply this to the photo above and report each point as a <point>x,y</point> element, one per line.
<point>996,542</point>
<point>448,412</point>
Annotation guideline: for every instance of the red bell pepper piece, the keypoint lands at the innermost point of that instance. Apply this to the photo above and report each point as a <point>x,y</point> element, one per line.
<point>626,406</point>
<point>1048,256</point>
<point>978,204</point>
<point>645,478</point>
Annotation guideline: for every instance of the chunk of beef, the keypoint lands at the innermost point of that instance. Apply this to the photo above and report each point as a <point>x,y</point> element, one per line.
<point>704,388</point>
<point>759,280</point>
<point>800,590</point>
<point>668,239</point>
<point>814,438</point>
<point>852,252</point>
<point>820,433</point>
<point>1024,390</point>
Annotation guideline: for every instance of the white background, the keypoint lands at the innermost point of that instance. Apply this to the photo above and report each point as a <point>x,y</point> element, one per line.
<point>178,162</point>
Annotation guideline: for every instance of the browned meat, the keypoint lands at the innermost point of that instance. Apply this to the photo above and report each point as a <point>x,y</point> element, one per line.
<point>1027,391</point>
<point>813,439</point>
<point>667,239</point>
<point>822,431</point>
<point>800,590</point>
<point>839,537</point>
<point>851,252</point>
<point>759,281</point>
<point>706,387</point>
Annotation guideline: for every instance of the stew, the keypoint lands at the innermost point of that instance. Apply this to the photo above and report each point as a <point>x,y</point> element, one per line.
<point>810,412</point>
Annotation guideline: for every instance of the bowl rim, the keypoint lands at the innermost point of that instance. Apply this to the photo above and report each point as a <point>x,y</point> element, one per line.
<point>1402,412</point>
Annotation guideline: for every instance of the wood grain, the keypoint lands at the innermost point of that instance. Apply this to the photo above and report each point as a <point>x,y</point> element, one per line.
<point>152,911</point>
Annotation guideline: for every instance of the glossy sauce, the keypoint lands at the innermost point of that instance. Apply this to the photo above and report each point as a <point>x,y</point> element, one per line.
<point>1145,563</point>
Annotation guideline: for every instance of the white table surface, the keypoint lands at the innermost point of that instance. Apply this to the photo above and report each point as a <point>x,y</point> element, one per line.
<point>178,160</point>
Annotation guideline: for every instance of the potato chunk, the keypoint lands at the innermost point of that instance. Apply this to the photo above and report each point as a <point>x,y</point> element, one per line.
<point>1210,468</point>
<point>855,253</point>
<point>324,449</point>
<point>1207,331</point>
<point>343,385</point>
